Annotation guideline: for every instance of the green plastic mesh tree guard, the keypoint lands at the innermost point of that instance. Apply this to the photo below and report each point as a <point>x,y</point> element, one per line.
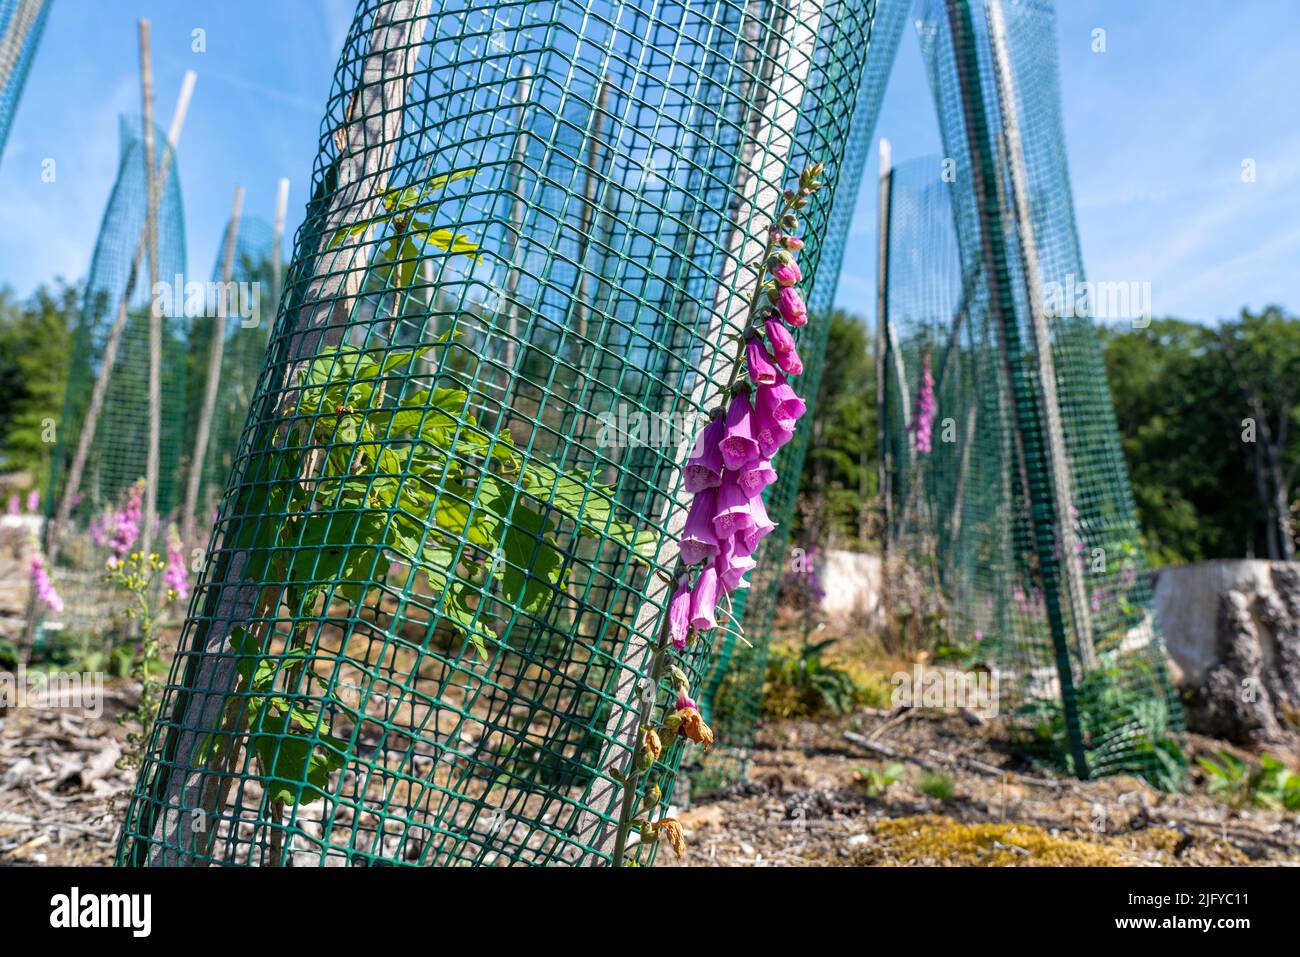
<point>21,25</point>
<point>1020,513</point>
<point>733,695</point>
<point>245,307</point>
<point>440,564</point>
<point>117,450</point>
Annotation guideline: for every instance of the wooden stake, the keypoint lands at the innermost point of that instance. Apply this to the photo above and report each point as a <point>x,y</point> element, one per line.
<point>155,312</point>
<point>216,351</point>
<point>184,829</point>
<point>54,531</point>
<point>758,190</point>
<point>277,241</point>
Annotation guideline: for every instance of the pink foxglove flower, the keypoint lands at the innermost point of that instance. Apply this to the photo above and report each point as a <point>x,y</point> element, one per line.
<point>760,527</point>
<point>792,243</point>
<point>34,501</point>
<point>733,514</point>
<point>771,435</point>
<point>925,405</point>
<point>44,588</point>
<point>733,564</point>
<point>704,600</point>
<point>126,525</point>
<point>699,542</point>
<point>177,577</point>
<point>15,506</point>
<point>792,308</point>
<point>755,478</point>
<point>787,272</point>
<point>779,403</point>
<point>761,369</point>
<point>738,446</point>
<point>679,616</point>
<point>704,469</point>
<point>778,336</point>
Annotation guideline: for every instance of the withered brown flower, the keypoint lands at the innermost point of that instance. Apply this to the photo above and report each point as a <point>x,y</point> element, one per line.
<point>671,831</point>
<point>693,727</point>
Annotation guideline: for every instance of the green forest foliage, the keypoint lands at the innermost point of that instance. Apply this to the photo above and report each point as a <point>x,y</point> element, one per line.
<point>35,339</point>
<point>1185,394</point>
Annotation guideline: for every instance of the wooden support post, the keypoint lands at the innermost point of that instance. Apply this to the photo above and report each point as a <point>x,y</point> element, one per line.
<point>216,351</point>
<point>155,312</point>
<point>1026,414</point>
<point>1058,460</point>
<point>794,28</point>
<point>882,345</point>
<point>277,243</point>
<point>192,796</point>
<point>72,488</point>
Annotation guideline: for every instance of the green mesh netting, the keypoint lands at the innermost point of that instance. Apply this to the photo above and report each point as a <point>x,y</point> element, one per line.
<point>1020,514</point>
<point>113,331</point>
<point>241,299</point>
<point>21,25</point>
<point>734,691</point>
<point>439,566</point>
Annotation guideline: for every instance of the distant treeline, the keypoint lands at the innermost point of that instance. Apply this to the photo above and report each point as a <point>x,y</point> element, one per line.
<point>1208,415</point>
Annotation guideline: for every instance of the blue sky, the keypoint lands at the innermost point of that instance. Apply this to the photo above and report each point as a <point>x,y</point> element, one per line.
<point>1157,128</point>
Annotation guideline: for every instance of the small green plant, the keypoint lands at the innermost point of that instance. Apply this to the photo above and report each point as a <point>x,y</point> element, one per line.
<point>801,684</point>
<point>1272,785</point>
<point>372,475</point>
<point>876,782</point>
<point>937,785</point>
<point>135,575</point>
<point>1122,724</point>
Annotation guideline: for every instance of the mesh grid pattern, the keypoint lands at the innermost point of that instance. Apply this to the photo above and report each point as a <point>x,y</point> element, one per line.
<point>1023,509</point>
<point>435,457</point>
<point>241,359</point>
<point>21,25</point>
<point>117,296</point>
<point>734,691</point>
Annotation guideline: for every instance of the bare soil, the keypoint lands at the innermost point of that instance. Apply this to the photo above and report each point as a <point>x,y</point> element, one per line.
<point>806,803</point>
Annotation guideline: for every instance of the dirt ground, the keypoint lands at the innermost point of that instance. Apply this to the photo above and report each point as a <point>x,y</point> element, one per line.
<point>805,802</point>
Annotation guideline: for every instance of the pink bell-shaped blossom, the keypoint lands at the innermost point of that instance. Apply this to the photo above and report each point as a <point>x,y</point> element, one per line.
<point>778,336</point>
<point>790,363</point>
<point>698,539</point>
<point>704,468</point>
<point>704,600</point>
<point>755,478</point>
<point>786,273</point>
<point>679,616</point>
<point>771,435</point>
<point>177,576</point>
<point>759,528</point>
<point>779,403</point>
<point>791,306</point>
<point>733,513</point>
<point>733,563</point>
<point>925,405</point>
<point>43,587</point>
<point>738,446</point>
<point>761,369</point>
